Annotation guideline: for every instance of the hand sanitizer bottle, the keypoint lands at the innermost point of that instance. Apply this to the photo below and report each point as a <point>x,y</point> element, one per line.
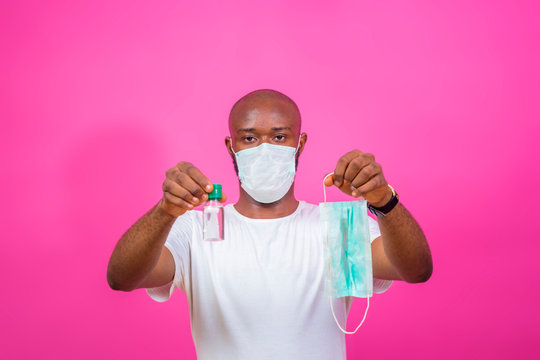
<point>213,216</point>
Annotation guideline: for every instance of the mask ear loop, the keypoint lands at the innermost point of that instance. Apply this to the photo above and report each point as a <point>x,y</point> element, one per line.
<point>232,149</point>
<point>298,146</point>
<point>329,269</point>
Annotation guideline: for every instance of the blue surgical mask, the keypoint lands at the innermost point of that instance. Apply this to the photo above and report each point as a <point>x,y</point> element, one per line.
<point>347,251</point>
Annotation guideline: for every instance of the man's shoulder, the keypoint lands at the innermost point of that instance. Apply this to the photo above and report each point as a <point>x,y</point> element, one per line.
<point>308,210</point>
<point>187,220</point>
<point>306,205</point>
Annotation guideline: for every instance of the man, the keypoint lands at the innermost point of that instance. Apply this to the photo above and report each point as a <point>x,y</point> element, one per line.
<point>259,294</point>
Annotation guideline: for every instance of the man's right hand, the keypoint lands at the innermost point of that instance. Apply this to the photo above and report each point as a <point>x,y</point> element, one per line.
<point>139,259</point>
<point>184,188</point>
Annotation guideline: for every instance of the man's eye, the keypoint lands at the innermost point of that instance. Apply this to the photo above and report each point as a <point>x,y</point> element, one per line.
<point>280,137</point>
<point>249,138</point>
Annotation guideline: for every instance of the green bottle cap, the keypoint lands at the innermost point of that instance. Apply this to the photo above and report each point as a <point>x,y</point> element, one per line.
<point>215,194</point>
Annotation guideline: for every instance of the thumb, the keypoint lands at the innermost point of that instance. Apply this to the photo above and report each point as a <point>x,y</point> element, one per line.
<point>223,198</point>
<point>329,179</point>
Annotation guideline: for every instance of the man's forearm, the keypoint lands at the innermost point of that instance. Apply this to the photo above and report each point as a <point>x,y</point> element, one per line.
<point>405,245</point>
<point>138,250</point>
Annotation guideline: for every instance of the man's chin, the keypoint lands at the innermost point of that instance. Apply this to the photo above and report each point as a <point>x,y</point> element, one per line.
<point>266,204</point>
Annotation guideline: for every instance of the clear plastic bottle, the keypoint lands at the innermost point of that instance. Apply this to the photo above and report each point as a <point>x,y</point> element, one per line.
<point>213,216</point>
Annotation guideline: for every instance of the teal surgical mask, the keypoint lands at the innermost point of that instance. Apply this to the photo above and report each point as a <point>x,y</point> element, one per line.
<point>347,251</point>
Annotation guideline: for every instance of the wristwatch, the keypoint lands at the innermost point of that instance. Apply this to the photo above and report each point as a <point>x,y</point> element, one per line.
<point>383,210</point>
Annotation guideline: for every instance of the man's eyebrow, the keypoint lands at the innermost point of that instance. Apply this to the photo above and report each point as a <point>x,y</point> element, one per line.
<point>246,130</point>
<point>280,128</point>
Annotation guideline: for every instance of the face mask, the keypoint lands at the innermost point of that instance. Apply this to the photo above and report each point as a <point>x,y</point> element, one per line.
<point>266,172</point>
<point>347,251</point>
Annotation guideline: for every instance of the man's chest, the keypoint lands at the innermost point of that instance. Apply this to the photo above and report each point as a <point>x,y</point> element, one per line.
<point>255,261</point>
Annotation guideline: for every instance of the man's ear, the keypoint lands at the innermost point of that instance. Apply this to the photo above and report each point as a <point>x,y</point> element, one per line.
<point>228,145</point>
<point>303,140</point>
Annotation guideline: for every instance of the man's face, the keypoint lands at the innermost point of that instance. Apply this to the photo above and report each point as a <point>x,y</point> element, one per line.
<point>270,121</point>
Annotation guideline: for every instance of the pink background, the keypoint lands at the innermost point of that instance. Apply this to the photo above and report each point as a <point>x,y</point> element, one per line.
<point>99,98</point>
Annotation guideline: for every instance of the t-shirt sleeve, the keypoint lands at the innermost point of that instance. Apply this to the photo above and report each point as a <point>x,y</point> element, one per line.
<point>379,285</point>
<point>179,244</point>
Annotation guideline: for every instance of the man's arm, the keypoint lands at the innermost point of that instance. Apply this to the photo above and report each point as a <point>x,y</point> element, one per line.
<point>402,252</point>
<point>139,259</point>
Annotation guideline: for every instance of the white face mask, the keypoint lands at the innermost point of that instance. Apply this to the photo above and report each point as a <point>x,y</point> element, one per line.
<point>267,171</point>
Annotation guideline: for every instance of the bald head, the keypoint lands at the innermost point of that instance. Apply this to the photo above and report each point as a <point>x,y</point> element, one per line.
<point>264,102</point>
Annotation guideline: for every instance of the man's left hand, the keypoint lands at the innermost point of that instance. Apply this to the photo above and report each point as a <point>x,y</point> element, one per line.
<point>357,174</point>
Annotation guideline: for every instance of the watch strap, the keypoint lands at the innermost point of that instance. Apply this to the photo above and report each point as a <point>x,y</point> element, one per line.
<point>383,210</point>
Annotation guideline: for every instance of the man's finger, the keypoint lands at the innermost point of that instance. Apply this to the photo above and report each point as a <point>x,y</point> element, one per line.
<point>367,172</point>
<point>329,180</point>
<point>181,203</point>
<point>190,185</point>
<point>177,190</point>
<point>372,184</point>
<point>341,166</point>
<point>199,178</point>
<point>223,198</point>
<point>353,168</point>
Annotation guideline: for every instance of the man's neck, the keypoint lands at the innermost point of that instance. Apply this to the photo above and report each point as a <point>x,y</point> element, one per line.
<point>251,208</point>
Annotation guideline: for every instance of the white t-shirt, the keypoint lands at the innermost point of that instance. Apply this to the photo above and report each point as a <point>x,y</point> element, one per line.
<point>259,294</point>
